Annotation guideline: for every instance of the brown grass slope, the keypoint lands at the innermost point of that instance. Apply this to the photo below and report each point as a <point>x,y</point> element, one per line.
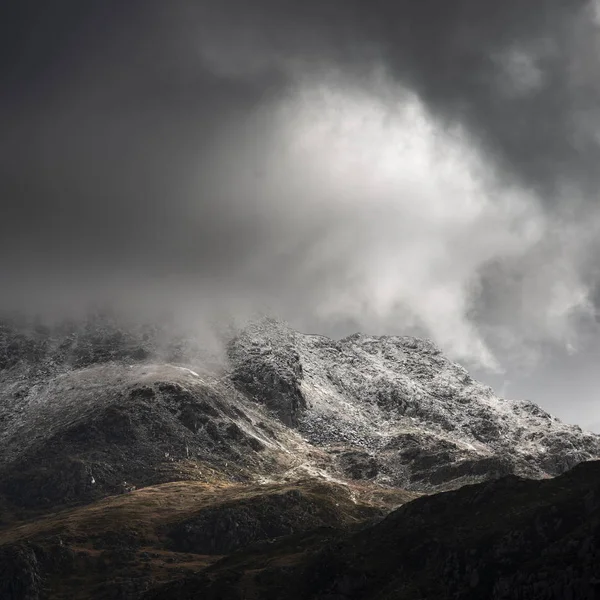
<point>124,545</point>
<point>511,539</point>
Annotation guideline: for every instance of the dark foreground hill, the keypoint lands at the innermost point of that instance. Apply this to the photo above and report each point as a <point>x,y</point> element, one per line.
<point>507,539</point>
<point>124,545</point>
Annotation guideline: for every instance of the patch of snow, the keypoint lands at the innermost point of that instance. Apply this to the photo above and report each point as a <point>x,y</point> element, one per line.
<point>186,370</point>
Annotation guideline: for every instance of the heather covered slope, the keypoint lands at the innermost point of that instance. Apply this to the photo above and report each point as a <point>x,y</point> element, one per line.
<point>126,544</point>
<point>509,539</point>
<point>400,408</point>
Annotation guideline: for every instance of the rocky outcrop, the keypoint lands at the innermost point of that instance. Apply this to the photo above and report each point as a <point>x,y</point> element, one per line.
<point>229,527</point>
<point>418,419</point>
<point>19,573</point>
<point>106,429</point>
<point>269,370</point>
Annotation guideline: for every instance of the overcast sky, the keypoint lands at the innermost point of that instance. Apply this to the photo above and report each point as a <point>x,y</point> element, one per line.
<point>386,166</point>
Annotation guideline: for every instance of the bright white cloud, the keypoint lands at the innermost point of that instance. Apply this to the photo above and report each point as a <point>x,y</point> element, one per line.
<point>410,209</point>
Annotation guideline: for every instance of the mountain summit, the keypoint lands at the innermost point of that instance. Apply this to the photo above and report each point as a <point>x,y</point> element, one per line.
<point>396,410</point>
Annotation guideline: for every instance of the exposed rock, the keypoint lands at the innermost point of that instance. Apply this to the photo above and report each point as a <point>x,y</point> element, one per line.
<point>109,428</point>
<point>426,423</point>
<point>270,371</point>
<point>357,464</point>
<point>403,414</point>
<point>19,573</point>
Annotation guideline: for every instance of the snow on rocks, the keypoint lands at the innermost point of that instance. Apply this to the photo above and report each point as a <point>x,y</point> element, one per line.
<point>423,420</point>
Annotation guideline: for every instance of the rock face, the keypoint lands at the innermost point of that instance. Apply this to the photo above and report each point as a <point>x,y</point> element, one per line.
<point>399,407</point>
<point>19,573</point>
<point>93,411</point>
<point>269,368</point>
<point>109,428</point>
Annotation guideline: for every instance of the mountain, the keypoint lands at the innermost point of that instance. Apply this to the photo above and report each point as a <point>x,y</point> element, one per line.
<point>397,411</point>
<point>131,461</point>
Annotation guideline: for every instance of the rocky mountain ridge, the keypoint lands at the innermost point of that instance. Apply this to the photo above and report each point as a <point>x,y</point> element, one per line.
<point>414,418</point>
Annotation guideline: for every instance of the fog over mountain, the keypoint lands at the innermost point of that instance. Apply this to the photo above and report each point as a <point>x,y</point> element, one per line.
<point>411,167</point>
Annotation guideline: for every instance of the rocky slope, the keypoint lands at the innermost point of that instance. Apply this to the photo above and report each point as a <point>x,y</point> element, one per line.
<point>105,404</point>
<point>104,429</point>
<point>94,411</point>
<point>397,411</point>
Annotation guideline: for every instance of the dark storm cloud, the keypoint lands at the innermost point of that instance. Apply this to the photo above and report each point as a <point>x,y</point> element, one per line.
<point>107,113</point>
<point>520,75</point>
<point>107,105</point>
<point>504,69</point>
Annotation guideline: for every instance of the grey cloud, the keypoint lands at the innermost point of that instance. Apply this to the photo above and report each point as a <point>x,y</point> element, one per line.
<point>519,75</point>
